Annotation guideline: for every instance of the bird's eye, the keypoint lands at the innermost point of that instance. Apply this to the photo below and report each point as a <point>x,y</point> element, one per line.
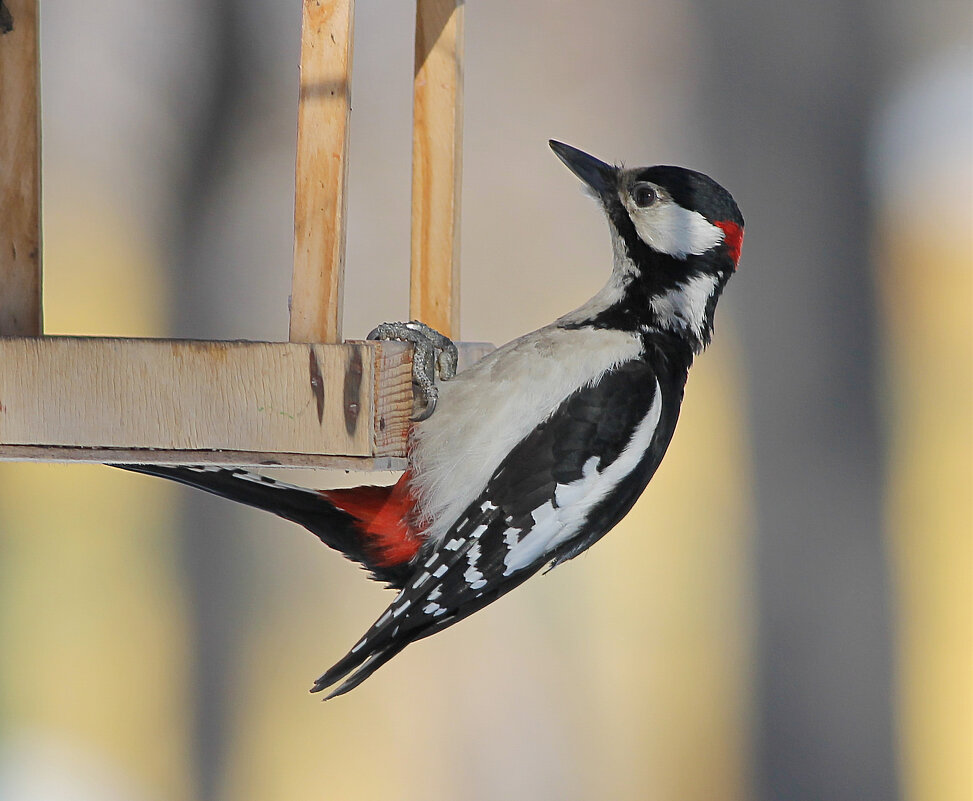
<point>644,195</point>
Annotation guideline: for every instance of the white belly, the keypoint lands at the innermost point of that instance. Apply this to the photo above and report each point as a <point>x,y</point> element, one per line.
<point>486,410</point>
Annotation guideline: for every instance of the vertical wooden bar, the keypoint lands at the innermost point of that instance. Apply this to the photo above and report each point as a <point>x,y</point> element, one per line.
<point>20,171</point>
<point>322,166</point>
<point>437,161</point>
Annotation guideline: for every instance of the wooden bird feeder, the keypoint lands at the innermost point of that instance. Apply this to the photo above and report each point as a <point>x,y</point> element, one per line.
<point>313,401</point>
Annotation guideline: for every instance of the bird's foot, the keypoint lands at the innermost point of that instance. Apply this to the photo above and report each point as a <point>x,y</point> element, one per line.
<point>432,351</point>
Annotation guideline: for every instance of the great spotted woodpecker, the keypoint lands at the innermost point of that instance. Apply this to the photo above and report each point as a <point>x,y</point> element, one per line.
<point>541,447</point>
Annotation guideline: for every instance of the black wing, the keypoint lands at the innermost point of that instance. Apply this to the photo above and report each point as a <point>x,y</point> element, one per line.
<point>557,492</point>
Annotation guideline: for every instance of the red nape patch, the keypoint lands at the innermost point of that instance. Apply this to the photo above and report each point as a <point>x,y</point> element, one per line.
<point>732,238</point>
<point>384,519</point>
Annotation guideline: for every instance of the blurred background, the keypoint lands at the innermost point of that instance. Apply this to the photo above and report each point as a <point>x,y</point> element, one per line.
<point>786,614</point>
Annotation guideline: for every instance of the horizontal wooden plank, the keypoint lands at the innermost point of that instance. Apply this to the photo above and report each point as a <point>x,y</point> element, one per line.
<point>38,453</point>
<point>341,406</point>
<point>184,395</point>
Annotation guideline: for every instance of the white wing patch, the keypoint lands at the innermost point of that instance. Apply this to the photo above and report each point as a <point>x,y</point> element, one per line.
<point>570,494</point>
<point>556,525</point>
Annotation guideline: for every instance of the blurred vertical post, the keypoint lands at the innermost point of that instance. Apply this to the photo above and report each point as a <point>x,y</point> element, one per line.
<point>20,170</point>
<point>796,161</point>
<point>322,167</point>
<point>437,164</point>
<point>931,475</point>
<point>923,148</point>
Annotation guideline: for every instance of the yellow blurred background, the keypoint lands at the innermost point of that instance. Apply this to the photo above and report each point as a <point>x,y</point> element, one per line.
<point>787,612</point>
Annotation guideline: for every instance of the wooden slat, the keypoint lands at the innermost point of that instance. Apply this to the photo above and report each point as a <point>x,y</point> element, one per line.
<point>437,144</point>
<point>322,165</point>
<point>37,453</point>
<point>255,397</point>
<point>392,429</point>
<point>20,235</point>
<point>74,399</point>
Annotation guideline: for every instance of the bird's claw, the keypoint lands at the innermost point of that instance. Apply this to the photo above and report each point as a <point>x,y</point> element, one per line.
<point>432,351</point>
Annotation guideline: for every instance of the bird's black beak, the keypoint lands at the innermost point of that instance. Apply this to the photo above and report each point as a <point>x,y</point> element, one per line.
<point>598,175</point>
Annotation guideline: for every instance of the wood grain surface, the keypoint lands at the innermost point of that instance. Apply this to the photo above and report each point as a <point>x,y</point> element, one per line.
<point>20,181</point>
<point>257,397</point>
<point>437,164</point>
<point>321,174</point>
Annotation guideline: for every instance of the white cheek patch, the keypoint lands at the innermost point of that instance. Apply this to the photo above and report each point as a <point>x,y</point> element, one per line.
<point>669,228</point>
<point>684,307</point>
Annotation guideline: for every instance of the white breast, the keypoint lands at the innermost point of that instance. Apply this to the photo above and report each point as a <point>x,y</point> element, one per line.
<point>486,410</point>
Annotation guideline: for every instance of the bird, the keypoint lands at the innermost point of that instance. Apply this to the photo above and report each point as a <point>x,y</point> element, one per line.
<point>541,447</point>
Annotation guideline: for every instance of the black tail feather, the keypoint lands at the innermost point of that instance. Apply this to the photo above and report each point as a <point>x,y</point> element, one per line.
<point>355,670</point>
<point>307,507</point>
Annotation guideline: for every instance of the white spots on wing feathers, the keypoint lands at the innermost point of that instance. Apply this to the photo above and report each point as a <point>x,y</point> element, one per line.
<point>421,580</point>
<point>507,394</point>
<point>684,306</point>
<point>434,609</point>
<point>473,554</point>
<point>473,576</point>
<point>556,525</point>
